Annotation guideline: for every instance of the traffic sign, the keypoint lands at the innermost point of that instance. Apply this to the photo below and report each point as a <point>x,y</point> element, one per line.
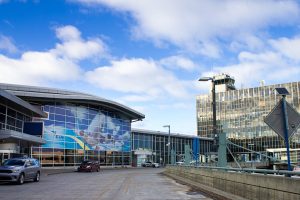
<point>275,119</point>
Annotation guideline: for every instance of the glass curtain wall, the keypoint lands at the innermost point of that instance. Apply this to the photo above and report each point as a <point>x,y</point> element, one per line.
<point>241,113</point>
<point>11,119</point>
<point>157,144</point>
<point>75,133</point>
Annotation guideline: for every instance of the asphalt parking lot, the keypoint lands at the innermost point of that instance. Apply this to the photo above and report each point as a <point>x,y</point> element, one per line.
<point>109,184</point>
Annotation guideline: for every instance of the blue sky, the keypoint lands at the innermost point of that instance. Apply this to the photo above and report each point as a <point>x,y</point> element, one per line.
<point>146,54</point>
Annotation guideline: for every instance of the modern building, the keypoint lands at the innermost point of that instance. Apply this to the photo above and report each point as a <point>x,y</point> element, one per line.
<point>240,114</point>
<point>78,126</point>
<point>15,114</point>
<point>153,146</point>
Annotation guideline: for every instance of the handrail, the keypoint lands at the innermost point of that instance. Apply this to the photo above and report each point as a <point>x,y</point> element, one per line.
<point>249,170</point>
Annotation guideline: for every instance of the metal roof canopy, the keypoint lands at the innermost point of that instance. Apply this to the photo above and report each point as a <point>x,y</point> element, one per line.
<point>43,93</point>
<point>143,131</point>
<point>82,100</point>
<point>19,104</point>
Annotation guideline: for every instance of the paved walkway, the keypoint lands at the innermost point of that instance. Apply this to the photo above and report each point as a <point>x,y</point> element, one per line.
<point>109,184</point>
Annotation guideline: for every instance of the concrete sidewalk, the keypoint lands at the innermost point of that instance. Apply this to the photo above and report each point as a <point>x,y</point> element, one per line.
<point>59,170</point>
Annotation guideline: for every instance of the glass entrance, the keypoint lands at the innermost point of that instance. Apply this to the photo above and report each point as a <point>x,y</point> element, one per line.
<point>4,156</point>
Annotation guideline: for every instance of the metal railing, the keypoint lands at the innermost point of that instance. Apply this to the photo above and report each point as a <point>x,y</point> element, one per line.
<point>244,170</point>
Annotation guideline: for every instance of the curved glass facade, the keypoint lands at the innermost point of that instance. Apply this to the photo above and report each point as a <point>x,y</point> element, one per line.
<point>76,132</point>
<point>241,113</point>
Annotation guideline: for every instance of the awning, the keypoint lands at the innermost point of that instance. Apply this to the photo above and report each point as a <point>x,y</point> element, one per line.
<point>19,104</point>
<point>15,135</point>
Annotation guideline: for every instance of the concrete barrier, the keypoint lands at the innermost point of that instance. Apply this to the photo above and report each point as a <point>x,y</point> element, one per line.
<point>243,185</point>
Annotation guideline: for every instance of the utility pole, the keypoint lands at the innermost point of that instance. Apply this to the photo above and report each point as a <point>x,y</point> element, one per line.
<point>169,142</point>
<point>286,131</point>
<point>219,138</point>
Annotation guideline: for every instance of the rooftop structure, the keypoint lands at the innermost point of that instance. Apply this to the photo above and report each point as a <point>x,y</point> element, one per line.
<point>224,82</point>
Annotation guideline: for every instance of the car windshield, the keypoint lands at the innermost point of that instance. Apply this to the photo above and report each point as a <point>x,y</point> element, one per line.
<point>13,163</point>
<point>86,162</point>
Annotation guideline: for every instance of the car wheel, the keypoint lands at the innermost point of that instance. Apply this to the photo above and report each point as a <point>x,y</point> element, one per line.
<point>37,177</point>
<point>98,169</point>
<point>21,179</point>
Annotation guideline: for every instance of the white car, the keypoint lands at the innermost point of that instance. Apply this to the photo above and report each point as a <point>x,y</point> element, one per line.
<point>150,164</point>
<point>155,165</point>
<point>193,162</point>
<point>180,163</point>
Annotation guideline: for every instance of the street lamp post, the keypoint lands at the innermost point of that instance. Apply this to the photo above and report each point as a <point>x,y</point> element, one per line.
<point>213,91</point>
<point>169,142</point>
<point>219,139</point>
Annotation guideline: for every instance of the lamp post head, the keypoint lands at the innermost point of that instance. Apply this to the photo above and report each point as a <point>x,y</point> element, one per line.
<point>206,79</point>
<point>166,126</point>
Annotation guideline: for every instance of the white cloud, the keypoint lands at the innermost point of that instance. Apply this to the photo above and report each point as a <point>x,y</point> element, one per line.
<point>137,98</point>
<point>7,44</point>
<point>198,25</point>
<point>74,47</point>
<point>37,67</point>
<point>138,77</point>
<point>276,65</point>
<point>178,62</point>
<point>247,42</point>
<point>68,33</point>
<point>58,64</point>
<point>288,47</point>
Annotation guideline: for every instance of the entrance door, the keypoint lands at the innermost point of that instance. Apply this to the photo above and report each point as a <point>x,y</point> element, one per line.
<point>4,156</point>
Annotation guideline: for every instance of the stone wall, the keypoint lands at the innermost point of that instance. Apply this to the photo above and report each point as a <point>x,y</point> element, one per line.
<point>246,185</point>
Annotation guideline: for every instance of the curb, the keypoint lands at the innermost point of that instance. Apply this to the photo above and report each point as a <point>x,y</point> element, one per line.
<point>72,170</point>
<point>206,190</point>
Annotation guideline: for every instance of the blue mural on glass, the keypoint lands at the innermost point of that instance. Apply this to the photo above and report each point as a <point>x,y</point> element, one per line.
<point>71,127</point>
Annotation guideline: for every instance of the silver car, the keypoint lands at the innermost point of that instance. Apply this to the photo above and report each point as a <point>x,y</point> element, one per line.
<point>150,164</point>
<point>20,169</point>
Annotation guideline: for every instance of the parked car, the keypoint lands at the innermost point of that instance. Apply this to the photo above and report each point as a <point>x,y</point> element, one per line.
<point>150,164</point>
<point>297,168</point>
<point>180,163</point>
<point>89,166</point>
<point>193,162</point>
<point>20,169</point>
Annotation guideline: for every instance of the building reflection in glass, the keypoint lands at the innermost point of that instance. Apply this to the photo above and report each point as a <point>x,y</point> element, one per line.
<point>241,113</point>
